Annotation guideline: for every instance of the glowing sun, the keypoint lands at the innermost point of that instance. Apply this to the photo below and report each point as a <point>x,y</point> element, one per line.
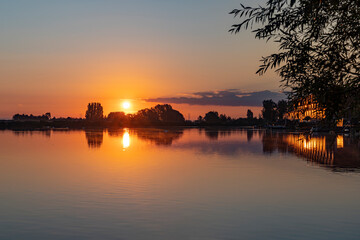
<point>126,105</point>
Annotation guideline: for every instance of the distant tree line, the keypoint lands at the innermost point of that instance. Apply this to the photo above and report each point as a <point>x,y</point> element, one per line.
<point>46,116</point>
<point>162,114</point>
<point>215,119</point>
<point>272,114</point>
<point>158,115</point>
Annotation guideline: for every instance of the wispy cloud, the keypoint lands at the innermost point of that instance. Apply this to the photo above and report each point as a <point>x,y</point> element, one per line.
<point>230,97</point>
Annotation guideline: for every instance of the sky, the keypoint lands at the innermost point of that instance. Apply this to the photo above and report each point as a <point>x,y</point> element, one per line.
<point>56,56</point>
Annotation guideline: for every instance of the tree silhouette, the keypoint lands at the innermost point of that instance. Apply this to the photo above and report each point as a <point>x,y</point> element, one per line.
<point>167,114</point>
<point>319,52</point>
<point>282,108</point>
<point>212,117</point>
<point>250,114</point>
<point>117,116</point>
<point>159,114</point>
<point>269,111</point>
<point>146,116</point>
<point>45,116</point>
<point>94,111</point>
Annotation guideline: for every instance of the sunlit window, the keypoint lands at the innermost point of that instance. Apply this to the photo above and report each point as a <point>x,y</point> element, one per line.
<point>340,141</point>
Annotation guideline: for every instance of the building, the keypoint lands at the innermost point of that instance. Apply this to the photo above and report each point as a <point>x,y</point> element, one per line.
<point>306,109</point>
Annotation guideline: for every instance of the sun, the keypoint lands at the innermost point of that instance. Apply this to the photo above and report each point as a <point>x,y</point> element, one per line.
<point>126,105</point>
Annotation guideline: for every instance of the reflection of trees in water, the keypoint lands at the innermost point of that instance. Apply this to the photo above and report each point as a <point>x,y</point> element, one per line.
<point>212,134</point>
<point>336,152</point>
<point>249,135</point>
<point>159,137</point>
<point>45,133</point>
<point>156,136</point>
<point>274,141</point>
<point>115,133</point>
<point>215,133</point>
<point>228,141</point>
<point>94,138</point>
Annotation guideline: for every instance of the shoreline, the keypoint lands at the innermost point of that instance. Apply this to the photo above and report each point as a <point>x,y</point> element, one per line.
<point>82,124</point>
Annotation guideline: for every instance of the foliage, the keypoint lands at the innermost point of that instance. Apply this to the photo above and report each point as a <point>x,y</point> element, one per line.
<point>94,111</point>
<point>274,112</point>
<point>45,116</point>
<point>159,114</point>
<point>250,114</point>
<point>167,114</point>
<point>319,52</point>
<point>269,111</point>
<point>282,108</point>
<point>212,117</point>
<point>117,116</point>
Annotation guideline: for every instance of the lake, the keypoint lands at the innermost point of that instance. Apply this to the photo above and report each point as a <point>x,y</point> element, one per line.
<point>178,184</point>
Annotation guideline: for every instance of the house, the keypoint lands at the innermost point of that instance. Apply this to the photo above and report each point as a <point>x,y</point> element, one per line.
<point>306,109</point>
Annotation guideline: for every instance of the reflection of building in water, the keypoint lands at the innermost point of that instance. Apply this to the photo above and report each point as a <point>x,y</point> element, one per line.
<point>313,148</point>
<point>336,152</point>
<point>340,141</point>
<point>94,138</point>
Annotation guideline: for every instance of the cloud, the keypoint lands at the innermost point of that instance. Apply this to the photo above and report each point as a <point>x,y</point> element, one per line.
<point>230,97</point>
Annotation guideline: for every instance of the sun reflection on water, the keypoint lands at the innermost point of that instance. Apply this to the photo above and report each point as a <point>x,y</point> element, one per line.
<point>126,139</point>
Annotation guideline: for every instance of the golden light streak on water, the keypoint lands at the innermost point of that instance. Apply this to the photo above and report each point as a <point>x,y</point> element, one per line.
<point>126,139</point>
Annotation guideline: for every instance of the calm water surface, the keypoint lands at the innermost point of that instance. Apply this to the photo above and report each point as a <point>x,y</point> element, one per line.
<point>178,184</point>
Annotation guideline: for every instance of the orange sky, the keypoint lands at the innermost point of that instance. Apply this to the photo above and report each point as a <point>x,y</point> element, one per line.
<point>58,56</point>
